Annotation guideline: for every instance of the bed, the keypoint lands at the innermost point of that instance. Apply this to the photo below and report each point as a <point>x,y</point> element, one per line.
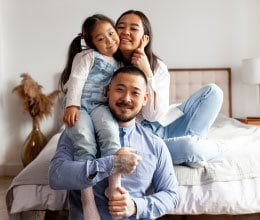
<point>227,188</point>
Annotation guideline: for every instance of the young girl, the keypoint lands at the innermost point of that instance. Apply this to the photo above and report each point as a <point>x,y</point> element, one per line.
<point>85,77</point>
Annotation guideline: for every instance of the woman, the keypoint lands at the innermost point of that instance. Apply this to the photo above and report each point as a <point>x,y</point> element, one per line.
<point>183,127</point>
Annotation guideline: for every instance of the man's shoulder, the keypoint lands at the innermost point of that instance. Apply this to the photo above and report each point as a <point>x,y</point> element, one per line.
<point>150,134</point>
<point>154,144</point>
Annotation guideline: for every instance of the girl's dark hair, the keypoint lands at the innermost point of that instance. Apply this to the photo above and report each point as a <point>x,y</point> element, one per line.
<point>75,46</point>
<point>147,31</point>
<point>133,70</point>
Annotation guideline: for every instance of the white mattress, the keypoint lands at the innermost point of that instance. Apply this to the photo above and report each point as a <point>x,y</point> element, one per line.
<point>229,184</point>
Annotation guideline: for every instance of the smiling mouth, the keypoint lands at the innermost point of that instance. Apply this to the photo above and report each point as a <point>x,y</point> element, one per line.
<point>124,106</point>
<point>111,46</point>
<point>125,40</point>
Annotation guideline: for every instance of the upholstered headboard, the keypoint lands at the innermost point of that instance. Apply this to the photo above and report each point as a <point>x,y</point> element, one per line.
<point>186,81</point>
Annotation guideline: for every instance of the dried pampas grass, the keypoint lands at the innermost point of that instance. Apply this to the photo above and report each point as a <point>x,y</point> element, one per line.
<point>37,104</point>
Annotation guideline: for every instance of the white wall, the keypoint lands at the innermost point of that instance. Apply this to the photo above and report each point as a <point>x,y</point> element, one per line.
<point>34,37</point>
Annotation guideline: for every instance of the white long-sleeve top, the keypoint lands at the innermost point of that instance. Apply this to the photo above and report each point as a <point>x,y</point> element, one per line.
<point>81,66</point>
<point>158,107</point>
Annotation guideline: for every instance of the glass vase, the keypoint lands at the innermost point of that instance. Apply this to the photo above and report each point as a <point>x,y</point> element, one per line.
<point>33,144</point>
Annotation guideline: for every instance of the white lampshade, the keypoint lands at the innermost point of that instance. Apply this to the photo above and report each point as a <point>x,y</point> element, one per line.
<point>251,70</point>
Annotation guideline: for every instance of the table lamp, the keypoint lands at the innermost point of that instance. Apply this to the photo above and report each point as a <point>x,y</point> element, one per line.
<point>251,74</point>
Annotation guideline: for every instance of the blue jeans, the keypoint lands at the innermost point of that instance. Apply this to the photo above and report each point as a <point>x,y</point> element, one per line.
<point>83,136</point>
<point>186,136</point>
<point>87,136</point>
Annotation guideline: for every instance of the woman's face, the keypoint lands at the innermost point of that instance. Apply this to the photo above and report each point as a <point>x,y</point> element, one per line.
<point>130,30</point>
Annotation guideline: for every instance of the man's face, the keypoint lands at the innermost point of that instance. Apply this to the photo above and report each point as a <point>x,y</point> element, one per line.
<point>126,96</point>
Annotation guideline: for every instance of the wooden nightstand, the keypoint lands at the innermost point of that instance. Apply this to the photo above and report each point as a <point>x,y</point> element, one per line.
<point>250,120</point>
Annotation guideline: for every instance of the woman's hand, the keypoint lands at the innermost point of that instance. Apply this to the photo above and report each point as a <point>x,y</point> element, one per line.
<point>139,58</point>
<point>121,205</point>
<point>71,115</point>
<point>144,41</point>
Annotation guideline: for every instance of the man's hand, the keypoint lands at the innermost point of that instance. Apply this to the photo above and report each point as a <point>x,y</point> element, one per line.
<point>71,115</point>
<point>121,205</point>
<point>126,160</point>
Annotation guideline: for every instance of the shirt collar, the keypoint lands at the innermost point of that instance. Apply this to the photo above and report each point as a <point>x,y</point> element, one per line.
<point>127,129</point>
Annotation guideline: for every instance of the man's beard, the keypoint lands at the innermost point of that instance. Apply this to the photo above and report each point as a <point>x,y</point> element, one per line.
<point>122,118</point>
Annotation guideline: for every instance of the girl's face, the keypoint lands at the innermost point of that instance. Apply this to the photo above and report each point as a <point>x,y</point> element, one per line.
<point>105,38</point>
<point>130,30</point>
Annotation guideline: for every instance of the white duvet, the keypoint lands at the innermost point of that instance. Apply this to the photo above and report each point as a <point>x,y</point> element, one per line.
<point>229,184</point>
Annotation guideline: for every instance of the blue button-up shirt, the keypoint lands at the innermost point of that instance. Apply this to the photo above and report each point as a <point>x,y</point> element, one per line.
<point>153,185</point>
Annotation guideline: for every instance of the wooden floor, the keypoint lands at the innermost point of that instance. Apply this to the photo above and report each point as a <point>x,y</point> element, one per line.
<point>4,184</point>
<point>212,217</point>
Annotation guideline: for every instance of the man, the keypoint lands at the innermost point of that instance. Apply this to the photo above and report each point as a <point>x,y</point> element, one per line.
<point>126,96</point>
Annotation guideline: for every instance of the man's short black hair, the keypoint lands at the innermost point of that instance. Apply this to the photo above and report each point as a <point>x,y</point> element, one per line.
<point>130,70</point>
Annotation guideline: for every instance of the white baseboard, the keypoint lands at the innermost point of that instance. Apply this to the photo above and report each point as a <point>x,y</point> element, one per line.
<point>10,170</point>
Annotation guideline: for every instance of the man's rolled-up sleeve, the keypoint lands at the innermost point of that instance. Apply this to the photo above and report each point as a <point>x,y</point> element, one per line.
<point>64,173</point>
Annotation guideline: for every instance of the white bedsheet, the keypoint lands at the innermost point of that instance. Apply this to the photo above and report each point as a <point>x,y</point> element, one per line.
<point>232,197</point>
<point>230,184</point>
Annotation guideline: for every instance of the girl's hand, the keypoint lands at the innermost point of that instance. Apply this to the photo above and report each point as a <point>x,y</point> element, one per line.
<point>71,115</point>
<point>121,205</point>
<point>125,160</point>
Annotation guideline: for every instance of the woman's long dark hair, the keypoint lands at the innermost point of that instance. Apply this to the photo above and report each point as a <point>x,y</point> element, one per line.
<point>147,31</point>
<point>75,46</point>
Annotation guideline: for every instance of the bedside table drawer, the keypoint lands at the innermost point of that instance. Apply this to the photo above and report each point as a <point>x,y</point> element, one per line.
<point>250,120</point>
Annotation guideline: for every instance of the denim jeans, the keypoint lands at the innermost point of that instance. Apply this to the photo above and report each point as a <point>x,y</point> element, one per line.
<point>96,126</point>
<point>89,137</point>
<point>83,136</point>
<point>186,136</point>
